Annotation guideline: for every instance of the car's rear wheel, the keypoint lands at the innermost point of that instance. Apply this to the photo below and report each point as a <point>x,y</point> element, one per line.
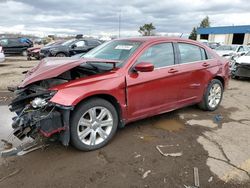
<point>93,124</point>
<point>212,96</point>
<point>60,55</point>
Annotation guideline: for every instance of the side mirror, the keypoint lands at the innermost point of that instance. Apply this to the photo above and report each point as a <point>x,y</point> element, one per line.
<point>144,67</point>
<point>243,53</point>
<point>73,46</point>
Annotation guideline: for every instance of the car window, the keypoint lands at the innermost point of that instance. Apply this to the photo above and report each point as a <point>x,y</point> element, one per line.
<point>114,50</point>
<point>14,42</point>
<point>240,49</point>
<point>191,53</point>
<point>93,42</point>
<point>203,54</point>
<point>80,43</point>
<point>4,42</point>
<point>160,55</point>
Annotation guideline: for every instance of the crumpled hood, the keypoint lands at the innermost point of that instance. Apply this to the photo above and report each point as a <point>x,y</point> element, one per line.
<point>224,52</point>
<point>54,66</point>
<point>243,59</point>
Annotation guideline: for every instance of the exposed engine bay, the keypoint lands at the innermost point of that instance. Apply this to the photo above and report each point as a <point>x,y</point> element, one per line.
<point>37,115</point>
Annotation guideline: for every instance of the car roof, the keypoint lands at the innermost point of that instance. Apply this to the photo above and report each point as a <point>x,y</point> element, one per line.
<point>150,39</point>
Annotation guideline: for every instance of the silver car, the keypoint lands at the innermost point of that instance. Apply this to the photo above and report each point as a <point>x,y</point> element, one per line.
<point>232,51</point>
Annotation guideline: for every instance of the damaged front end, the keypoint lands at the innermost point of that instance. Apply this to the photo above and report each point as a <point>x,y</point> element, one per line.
<point>37,115</point>
<point>240,69</point>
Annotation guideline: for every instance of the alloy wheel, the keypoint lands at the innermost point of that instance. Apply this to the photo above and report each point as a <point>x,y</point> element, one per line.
<point>95,126</point>
<point>214,96</point>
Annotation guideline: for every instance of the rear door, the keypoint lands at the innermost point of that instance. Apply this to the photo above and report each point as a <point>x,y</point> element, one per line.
<point>196,68</point>
<point>92,44</point>
<point>150,93</point>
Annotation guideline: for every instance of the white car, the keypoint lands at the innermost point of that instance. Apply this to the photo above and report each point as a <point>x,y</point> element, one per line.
<point>2,56</point>
<point>231,51</point>
<point>241,66</point>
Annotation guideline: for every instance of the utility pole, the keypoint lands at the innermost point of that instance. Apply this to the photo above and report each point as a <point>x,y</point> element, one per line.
<point>119,24</point>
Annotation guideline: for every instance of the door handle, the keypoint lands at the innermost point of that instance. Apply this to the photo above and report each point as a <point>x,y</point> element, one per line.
<point>205,64</point>
<point>172,70</point>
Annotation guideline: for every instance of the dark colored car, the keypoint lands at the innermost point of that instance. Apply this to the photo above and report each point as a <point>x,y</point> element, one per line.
<point>34,52</point>
<point>84,100</point>
<point>69,48</point>
<point>16,45</point>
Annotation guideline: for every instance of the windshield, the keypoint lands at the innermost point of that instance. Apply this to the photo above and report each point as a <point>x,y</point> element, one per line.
<point>226,47</point>
<point>119,50</point>
<point>66,43</point>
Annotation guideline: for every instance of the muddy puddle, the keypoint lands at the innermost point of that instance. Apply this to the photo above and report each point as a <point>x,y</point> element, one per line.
<point>5,127</point>
<point>170,125</point>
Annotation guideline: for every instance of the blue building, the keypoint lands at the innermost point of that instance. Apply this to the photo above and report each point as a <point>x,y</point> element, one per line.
<point>225,35</point>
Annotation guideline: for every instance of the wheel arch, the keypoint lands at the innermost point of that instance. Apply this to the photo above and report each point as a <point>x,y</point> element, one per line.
<point>61,52</point>
<point>221,79</point>
<point>110,99</point>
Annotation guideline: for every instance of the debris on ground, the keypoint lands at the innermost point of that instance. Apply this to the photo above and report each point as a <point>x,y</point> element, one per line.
<point>158,147</point>
<point>165,180</point>
<point>218,118</point>
<point>137,156</point>
<point>146,174</point>
<point>210,179</point>
<point>6,145</point>
<point>28,150</point>
<point>22,149</point>
<point>196,177</point>
<point>10,175</point>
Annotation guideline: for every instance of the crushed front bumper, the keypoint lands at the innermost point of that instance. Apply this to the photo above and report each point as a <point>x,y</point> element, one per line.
<point>47,119</point>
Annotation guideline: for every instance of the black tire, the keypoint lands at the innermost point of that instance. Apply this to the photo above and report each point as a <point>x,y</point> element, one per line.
<point>204,104</point>
<point>60,54</point>
<point>77,115</point>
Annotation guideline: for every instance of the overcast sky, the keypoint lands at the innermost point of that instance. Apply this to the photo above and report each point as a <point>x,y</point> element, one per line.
<point>100,17</point>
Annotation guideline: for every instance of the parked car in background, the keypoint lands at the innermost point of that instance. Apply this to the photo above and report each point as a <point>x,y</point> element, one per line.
<point>2,56</point>
<point>241,67</point>
<point>69,48</point>
<point>16,45</point>
<point>85,100</point>
<point>34,52</point>
<point>231,51</point>
<point>211,45</point>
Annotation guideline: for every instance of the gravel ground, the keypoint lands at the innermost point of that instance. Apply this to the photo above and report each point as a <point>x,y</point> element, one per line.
<point>11,71</point>
<point>217,143</point>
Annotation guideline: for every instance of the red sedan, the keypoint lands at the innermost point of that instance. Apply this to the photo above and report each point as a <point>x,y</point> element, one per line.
<point>85,100</point>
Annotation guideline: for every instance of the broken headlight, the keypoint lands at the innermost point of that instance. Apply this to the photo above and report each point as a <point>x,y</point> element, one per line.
<point>42,101</point>
<point>38,102</point>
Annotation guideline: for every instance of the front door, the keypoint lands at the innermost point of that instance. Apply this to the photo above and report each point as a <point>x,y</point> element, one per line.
<point>150,93</point>
<point>78,47</point>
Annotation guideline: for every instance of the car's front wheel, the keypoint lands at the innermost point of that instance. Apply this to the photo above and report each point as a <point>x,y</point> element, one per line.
<point>212,96</point>
<point>93,124</point>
